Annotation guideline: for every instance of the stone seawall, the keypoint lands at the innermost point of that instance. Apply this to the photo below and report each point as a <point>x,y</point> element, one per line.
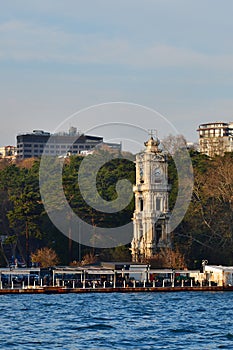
<point>64,290</point>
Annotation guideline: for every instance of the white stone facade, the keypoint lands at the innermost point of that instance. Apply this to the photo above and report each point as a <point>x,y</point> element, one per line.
<point>151,215</point>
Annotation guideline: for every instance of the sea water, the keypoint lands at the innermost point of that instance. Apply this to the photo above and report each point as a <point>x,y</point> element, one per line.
<point>177,320</point>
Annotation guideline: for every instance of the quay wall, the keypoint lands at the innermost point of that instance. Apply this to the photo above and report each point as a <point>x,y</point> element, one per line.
<point>65,290</point>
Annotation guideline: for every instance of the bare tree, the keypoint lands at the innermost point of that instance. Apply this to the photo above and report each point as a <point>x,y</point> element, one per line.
<point>45,257</point>
<point>210,215</point>
<point>172,144</point>
<point>168,258</point>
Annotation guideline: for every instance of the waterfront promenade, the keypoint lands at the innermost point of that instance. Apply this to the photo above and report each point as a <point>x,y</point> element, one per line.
<point>127,289</point>
<point>113,278</point>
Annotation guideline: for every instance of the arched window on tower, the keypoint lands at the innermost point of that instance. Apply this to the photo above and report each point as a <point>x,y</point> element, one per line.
<point>158,232</point>
<point>158,204</point>
<point>141,204</point>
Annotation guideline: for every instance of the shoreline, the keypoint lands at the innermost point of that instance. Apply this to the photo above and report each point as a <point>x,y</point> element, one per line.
<point>65,290</point>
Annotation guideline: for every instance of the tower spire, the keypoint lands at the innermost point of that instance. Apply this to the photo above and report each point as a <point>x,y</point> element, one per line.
<point>152,133</point>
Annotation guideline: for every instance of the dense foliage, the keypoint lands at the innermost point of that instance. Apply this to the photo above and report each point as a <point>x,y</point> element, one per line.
<point>26,227</point>
<point>206,231</point>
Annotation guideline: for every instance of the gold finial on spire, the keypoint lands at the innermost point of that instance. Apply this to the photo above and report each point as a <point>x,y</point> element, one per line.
<point>153,143</point>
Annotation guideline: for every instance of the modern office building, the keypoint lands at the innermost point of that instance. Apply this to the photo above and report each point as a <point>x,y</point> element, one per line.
<point>38,142</point>
<point>215,138</point>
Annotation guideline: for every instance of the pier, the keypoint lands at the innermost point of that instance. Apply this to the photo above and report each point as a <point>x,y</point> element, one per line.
<point>65,290</point>
<point>112,278</point>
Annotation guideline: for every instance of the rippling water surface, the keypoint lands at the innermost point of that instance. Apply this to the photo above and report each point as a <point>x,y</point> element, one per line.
<point>184,320</point>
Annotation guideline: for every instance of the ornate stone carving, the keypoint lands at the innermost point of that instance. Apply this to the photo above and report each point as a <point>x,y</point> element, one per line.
<point>151,216</point>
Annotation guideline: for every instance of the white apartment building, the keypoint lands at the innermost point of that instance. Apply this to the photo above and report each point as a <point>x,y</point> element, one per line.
<point>216,138</point>
<point>7,152</point>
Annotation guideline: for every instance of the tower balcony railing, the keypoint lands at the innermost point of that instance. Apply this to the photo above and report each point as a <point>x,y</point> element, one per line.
<point>152,187</point>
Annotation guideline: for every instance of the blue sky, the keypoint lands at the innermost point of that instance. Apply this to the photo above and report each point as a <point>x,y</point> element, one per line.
<point>57,57</point>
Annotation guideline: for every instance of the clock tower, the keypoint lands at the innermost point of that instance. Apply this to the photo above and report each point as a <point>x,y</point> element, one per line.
<point>151,215</point>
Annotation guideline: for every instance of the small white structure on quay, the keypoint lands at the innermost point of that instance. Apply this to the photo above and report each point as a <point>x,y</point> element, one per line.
<point>221,275</point>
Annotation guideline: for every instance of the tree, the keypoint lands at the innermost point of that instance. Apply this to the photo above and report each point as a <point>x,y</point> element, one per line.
<point>46,257</point>
<point>89,258</point>
<point>206,230</point>
<point>121,253</point>
<point>24,215</point>
<point>172,144</point>
<point>168,258</point>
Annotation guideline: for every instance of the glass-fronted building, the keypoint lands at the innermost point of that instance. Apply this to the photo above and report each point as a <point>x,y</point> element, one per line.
<point>61,144</point>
